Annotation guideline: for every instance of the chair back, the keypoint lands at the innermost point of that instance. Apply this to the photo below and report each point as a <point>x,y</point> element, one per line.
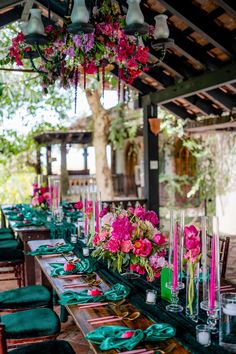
<point>224,251</point>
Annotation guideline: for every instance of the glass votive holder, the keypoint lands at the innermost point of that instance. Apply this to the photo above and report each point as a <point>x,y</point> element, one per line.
<point>85,251</point>
<point>49,218</point>
<point>203,335</point>
<point>73,238</point>
<point>68,219</point>
<point>151,296</point>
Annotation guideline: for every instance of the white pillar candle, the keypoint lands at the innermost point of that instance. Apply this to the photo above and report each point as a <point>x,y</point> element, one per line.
<point>204,338</point>
<point>229,309</point>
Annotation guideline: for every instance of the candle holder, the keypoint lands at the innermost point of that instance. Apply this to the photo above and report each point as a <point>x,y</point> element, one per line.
<point>73,238</point>
<point>211,270</point>
<point>85,251</point>
<point>151,297</point>
<point>175,259</point>
<point>203,335</point>
<point>175,306</point>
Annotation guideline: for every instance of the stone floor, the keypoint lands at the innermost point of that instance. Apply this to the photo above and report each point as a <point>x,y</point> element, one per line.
<point>69,331</point>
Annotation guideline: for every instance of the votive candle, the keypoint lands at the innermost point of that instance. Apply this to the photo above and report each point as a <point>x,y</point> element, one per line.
<point>85,251</point>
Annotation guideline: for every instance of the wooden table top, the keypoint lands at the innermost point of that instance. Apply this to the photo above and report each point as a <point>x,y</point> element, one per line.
<point>81,316</point>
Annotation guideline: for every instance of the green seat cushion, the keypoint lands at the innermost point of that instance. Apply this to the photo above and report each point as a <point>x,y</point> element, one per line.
<point>6,236</point>
<point>49,347</point>
<point>27,297</point>
<point>5,230</point>
<point>31,323</point>
<point>10,250</point>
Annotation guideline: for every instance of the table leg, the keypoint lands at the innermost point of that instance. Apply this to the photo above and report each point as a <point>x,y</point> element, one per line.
<point>48,285</point>
<point>3,220</point>
<point>29,266</point>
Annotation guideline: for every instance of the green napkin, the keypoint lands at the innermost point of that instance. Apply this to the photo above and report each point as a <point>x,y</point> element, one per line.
<point>46,249</point>
<point>116,293</point>
<point>14,217</point>
<point>84,266</point>
<point>30,223</point>
<point>11,212</point>
<point>112,337</point>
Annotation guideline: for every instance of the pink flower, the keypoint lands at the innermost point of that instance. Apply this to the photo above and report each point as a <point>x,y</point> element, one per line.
<point>131,210</point>
<point>142,247</point>
<point>190,231</point>
<point>20,215</point>
<point>103,212</point>
<point>107,219</point>
<point>192,254</point>
<point>152,217</point>
<point>159,239</point>
<point>95,292</point>
<point>103,235</point>
<point>96,239</point>
<point>26,222</point>
<point>122,228</point>
<point>137,268</point>
<point>68,267</point>
<point>126,246</point>
<point>78,205</point>
<point>35,201</point>
<point>113,245</point>
<point>139,211</point>
<point>156,261</point>
<point>127,334</point>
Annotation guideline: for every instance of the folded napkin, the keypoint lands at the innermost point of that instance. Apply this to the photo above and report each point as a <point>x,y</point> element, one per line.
<point>47,249</point>
<point>15,217</point>
<point>84,266</point>
<point>120,337</point>
<point>13,212</point>
<point>116,293</point>
<point>29,223</point>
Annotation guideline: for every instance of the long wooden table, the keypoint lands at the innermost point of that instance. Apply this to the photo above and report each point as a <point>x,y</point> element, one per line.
<point>26,234</point>
<point>81,316</point>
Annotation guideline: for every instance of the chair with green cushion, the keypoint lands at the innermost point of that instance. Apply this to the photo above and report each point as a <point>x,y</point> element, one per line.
<point>25,298</point>
<point>12,260</point>
<point>30,326</point>
<point>5,230</point>
<point>6,234</point>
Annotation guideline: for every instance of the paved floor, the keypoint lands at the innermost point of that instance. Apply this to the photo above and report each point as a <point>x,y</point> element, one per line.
<point>69,330</point>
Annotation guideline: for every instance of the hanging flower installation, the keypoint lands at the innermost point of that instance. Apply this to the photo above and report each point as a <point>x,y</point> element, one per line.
<point>65,56</point>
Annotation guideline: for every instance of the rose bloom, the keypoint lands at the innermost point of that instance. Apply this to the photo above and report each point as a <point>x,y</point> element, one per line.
<point>68,267</point>
<point>127,334</point>
<point>159,239</point>
<point>142,247</point>
<point>137,268</point>
<point>139,211</point>
<point>113,245</point>
<point>107,219</point>
<point>126,246</point>
<point>78,205</point>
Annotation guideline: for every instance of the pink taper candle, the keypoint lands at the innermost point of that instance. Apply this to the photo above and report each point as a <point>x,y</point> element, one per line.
<point>175,258</point>
<point>85,217</point>
<point>213,273</point>
<point>96,216</point>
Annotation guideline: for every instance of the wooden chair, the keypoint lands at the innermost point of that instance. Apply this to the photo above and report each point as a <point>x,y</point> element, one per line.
<point>28,326</point>
<point>48,347</point>
<point>224,251</point>
<point>12,261</point>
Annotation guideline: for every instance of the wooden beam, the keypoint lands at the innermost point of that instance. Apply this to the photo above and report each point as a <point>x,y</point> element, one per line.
<point>228,5</point>
<point>7,3</point>
<point>205,106</point>
<point>209,125</point>
<point>178,111</point>
<point>26,10</point>
<point>209,80</point>
<point>10,16</point>
<point>225,100</point>
<point>199,22</point>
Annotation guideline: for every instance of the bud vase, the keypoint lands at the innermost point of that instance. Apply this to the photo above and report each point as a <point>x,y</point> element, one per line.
<point>192,291</point>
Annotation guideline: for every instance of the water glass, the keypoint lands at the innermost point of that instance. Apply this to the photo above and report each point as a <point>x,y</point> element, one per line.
<point>228,322</point>
<point>203,335</point>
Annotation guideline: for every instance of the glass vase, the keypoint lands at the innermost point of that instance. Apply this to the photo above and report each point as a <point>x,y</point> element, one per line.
<point>192,291</point>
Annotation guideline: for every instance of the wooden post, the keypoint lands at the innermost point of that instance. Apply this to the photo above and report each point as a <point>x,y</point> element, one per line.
<point>38,163</point>
<point>151,160</point>
<point>49,159</point>
<point>3,344</point>
<point>64,172</point>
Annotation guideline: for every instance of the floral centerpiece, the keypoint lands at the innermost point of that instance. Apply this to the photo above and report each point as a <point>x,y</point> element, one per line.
<point>130,239</point>
<point>192,257</point>
<point>41,197</point>
<point>66,56</point>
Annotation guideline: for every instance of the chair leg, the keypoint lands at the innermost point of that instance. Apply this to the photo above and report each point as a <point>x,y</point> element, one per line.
<point>3,343</point>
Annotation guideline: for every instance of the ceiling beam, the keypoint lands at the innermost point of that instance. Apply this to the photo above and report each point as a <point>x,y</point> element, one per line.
<point>228,5</point>
<point>199,22</point>
<point>205,106</point>
<point>178,111</point>
<point>206,81</point>
<point>225,100</point>
<point>26,11</point>
<point>8,3</point>
<point>10,16</point>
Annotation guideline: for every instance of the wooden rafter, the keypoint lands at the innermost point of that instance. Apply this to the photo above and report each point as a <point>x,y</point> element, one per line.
<point>206,81</point>
<point>228,5</point>
<point>225,100</point>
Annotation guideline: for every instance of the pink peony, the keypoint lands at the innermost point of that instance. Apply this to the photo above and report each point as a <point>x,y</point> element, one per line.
<point>103,235</point>
<point>139,211</point>
<point>95,292</point>
<point>35,201</point>
<point>127,334</point>
<point>142,247</point>
<point>103,212</point>
<point>131,210</point>
<point>113,245</point>
<point>96,239</point>
<point>107,219</point>
<point>122,228</point>
<point>68,267</point>
<point>126,246</point>
<point>159,239</point>
<point>152,217</point>
<point>78,205</point>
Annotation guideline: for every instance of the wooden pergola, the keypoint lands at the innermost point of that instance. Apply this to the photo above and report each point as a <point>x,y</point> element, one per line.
<point>197,76</point>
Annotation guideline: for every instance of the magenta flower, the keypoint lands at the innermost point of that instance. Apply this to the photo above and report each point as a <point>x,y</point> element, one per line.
<point>127,334</point>
<point>126,246</point>
<point>78,205</point>
<point>139,211</point>
<point>142,247</point>
<point>152,217</point>
<point>191,238</point>
<point>137,268</point>
<point>113,245</point>
<point>122,228</point>
<point>156,261</point>
<point>103,212</point>
<point>159,239</point>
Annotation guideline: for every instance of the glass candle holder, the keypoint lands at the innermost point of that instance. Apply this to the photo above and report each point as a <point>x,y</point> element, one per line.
<point>85,251</point>
<point>203,335</point>
<point>151,297</point>
<point>68,219</point>
<point>228,322</point>
<point>73,238</point>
